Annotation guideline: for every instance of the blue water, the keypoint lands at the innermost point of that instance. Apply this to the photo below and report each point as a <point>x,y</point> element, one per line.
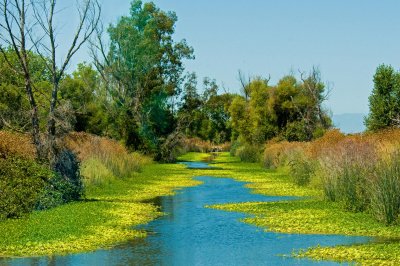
<point>190,234</point>
<point>197,165</point>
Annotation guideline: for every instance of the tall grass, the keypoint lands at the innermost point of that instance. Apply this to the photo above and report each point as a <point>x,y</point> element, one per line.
<point>279,154</point>
<point>346,168</point>
<point>249,153</point>
<point>301,168</point>
<point>385,190</point>
<point>361,172</point>
<point>16,144</point>
<point>104,159</point>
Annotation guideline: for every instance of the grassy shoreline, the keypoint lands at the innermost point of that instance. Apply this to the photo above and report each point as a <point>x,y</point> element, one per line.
<point>101,221</point>
<point>112,209</point>
<point>311,215</point>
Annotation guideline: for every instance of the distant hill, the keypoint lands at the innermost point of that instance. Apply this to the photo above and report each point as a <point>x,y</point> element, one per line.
<point>349,123</point>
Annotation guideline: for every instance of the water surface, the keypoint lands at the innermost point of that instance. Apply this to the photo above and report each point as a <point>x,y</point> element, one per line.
<point>190,234</point>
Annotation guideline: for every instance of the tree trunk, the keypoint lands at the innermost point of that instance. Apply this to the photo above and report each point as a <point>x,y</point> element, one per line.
<point>51,124</point>
<point>35,121</point>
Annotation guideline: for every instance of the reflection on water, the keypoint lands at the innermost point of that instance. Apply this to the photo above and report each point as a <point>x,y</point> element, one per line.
<point>193,235</point>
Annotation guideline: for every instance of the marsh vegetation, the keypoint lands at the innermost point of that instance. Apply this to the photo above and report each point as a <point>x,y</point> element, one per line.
<point>82,153</point>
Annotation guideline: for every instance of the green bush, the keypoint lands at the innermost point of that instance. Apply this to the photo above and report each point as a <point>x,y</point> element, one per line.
<point>65,185</point>
<point>329,186</point>
<point>21,184</point>
<point>68,179</point>
<point>301,169</point>
<point>234,147</point>
<point>248,153</point>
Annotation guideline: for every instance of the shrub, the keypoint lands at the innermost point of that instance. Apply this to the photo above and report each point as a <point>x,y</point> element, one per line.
<point>196,145</point>
<point>234,147</point>
<point>278,154</point>
<point>248,153</point>
<point>68,178</point>
<point>103,152</point>
<point>224,147</point>
<point>301,169</point>
<point>361,171</point>
<point>351,188</point>
<point>15,144</point>
<point>65,185</point>
<point>21,183</point>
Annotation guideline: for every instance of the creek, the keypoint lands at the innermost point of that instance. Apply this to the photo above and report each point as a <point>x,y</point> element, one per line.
<point>192,234</point>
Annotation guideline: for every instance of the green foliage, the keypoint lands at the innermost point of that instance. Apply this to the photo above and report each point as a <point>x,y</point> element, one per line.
<point>248,153</point>
<point>209,115</point>
<point>234,147</point>
<point>291,110</point>
<point>143,70</point>
<point>64,186</point>
<point>21,183</point>
<point>384,101</point>
<point>384,191</point>
<point>351,188</point>
<point>68,179</point>
<point>86,94</point>
<point>301,169</point>
<point>14,105</point>
<point>94,172</point>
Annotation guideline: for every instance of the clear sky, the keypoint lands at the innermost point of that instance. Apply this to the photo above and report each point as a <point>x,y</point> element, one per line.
<point>346,39</point>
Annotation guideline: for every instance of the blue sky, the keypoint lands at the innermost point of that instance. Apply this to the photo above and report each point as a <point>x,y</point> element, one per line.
<point>347,40</point>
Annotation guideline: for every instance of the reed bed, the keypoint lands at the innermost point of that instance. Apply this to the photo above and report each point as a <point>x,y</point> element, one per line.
<point>104,159</point>
<point>361,171</point>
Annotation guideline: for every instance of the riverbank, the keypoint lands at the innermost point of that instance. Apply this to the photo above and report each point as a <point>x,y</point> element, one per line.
<point>311,215</point>
<point>110,211</point>
<point>103,220</point>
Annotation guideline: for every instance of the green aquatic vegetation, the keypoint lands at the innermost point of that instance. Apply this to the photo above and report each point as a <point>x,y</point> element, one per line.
<point>193,157</point>
<point>113,208</point>
<point>74,227</point>
<point>311,215</point>
<point>370,254</point>
<point>104,219</point>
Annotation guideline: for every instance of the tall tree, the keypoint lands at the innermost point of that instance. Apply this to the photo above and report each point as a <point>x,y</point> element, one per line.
<point>143,70</point>
<point>384,101</point>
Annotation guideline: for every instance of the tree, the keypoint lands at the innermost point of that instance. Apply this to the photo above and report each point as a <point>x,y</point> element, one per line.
<point>191,105</point>
<point>262,119</point>
<point>143,70</point>
<point>14,105</point>
<point>291,110</point>
<point>39,32</point>
<point>384,101</point>
<point>84,91</point>
<point>239,118</point>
